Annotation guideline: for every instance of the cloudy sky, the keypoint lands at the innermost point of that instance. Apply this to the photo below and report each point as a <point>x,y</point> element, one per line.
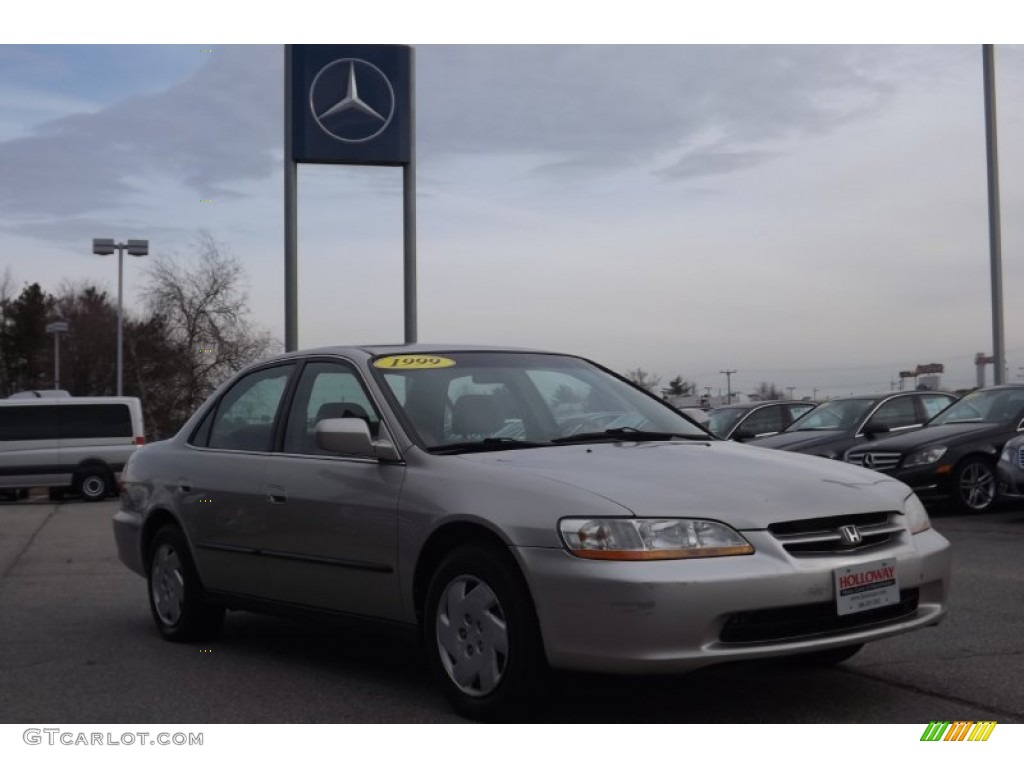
<point>813,216</point>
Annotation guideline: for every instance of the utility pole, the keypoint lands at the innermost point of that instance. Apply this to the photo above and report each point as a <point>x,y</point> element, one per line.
<point>994,226</point>
<point>814,397</point>
<point>728,385</point>
<point>790,390</point>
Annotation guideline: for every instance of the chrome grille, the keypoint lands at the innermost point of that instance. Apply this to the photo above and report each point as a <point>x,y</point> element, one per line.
<point>824,535</point>
<point>1020,457</point>
<point>877,460</point>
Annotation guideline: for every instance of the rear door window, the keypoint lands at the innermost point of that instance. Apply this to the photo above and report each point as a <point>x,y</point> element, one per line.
<point>896,413</point>
<point>767,420</point>
<point>79,422</point>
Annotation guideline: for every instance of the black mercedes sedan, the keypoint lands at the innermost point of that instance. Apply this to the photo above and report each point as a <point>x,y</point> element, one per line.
<point>835,426</point>
<point>953,458</point>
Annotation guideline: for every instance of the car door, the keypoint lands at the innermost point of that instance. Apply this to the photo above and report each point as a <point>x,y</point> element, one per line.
<point>218,483</point>
<point>330,526</point>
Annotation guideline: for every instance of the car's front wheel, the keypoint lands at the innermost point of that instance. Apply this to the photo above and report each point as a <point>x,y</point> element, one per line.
<point>176,599</point>
<point>975,485</point>
<point>481,634</point>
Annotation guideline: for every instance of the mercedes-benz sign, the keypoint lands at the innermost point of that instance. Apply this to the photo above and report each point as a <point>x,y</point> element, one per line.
<point>351,104</point>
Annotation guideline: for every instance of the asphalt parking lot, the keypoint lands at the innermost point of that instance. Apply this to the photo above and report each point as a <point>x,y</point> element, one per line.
<point>79,647</point>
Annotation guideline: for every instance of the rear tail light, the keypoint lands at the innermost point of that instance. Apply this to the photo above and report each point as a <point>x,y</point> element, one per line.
<point>140,440</point>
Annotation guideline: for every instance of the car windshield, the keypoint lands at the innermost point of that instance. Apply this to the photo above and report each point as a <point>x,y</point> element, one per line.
<point>721,420</point>
<point>998,406</point>
<point>500,400</point>
<point>835,414</point>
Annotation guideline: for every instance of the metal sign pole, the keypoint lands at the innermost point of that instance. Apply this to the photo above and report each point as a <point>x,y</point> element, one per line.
<point>291,247</point>
<point>994,236</point>
<point>409,214</point>
<point>349,105</point>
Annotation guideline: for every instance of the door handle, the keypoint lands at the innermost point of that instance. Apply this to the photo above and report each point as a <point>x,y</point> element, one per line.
<point>185,486</point>
<point>277,495</point>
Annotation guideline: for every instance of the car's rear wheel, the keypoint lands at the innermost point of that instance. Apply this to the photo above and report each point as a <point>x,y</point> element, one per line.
<point>974,483</point>
<point>176,598</point>
<point>828,658</point>
<point>481,634</point>
<point>93,483</point>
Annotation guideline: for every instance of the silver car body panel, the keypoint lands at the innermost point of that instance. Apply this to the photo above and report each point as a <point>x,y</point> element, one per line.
<point>346,534</point>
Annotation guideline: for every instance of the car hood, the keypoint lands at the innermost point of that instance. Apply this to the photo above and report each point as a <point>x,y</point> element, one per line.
<point>940,434</point>
<point>799,441</point>
<point>746,487</point>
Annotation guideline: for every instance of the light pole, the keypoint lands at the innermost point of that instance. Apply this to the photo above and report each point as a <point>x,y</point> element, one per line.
<point>56,328</point>
<point>106,247</point>
<point>728,385</point>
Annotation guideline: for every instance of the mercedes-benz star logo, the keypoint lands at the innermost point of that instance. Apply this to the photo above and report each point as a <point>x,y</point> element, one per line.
<point>352,100</point>
<point>869,460</point>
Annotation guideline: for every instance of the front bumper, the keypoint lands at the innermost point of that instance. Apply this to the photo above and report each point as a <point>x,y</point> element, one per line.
<point>671,616</point>
<point>928,484</point>
<point>1010,480</point>
<point>128,536</point>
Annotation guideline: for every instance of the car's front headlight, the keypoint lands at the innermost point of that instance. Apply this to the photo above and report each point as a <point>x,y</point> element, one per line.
<point>927,456</point>
<point>652,539</point>
<point>830,455</point>
<point>1007,454</point>
<point>917,516</point>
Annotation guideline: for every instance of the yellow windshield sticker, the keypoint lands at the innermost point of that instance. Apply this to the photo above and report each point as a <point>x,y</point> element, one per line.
<point>413,362</point>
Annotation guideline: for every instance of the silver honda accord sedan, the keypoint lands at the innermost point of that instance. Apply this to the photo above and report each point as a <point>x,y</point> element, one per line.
<point>523,511</point>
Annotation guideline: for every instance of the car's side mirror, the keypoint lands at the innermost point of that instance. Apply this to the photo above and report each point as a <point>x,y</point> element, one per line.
<point>352,437</point>
<point>876,428</point>
<point>742,434</point>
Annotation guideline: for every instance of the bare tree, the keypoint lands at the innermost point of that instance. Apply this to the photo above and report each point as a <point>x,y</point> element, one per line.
<point>6,292</point>
<point>642,378</point>
<point>766,391</point>
<point>203,309</point>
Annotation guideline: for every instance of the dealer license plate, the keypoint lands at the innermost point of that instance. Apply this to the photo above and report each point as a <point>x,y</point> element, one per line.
<point>866,586</point>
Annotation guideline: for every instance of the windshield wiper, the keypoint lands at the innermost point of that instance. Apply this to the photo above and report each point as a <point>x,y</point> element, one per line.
<point>487,444</point>
<point>627,433</point>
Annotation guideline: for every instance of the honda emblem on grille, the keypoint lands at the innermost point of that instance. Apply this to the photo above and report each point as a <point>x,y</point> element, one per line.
<point>850,535</point>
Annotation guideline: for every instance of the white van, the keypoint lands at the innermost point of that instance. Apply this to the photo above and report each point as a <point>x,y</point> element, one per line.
<point>76,443</point>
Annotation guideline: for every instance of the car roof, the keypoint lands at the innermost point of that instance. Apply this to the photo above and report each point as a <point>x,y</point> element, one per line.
<point>373,350</point>
<point>759,403</point>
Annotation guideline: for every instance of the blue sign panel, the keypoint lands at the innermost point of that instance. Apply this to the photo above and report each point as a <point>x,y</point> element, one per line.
<point>351,104</point>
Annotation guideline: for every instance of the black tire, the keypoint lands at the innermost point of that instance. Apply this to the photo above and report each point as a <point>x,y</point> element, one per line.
<point>522,669</point>
<point>828,658</point>
<point>974,486</point>
<point>176,600</point>
<point>94,483</point>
